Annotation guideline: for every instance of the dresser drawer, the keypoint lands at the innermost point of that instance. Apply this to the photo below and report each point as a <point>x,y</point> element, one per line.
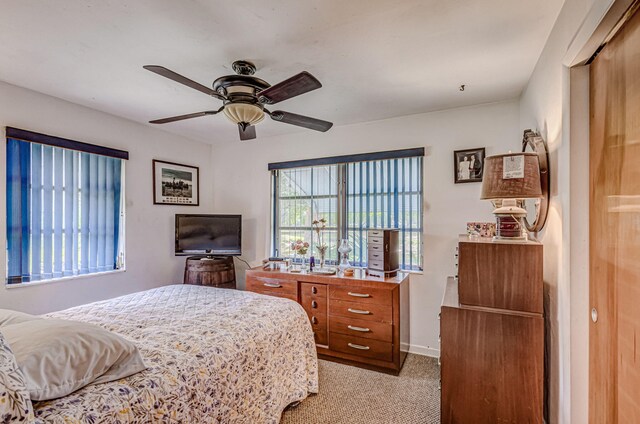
<point>313,290</point>
<point>314,304</point>
<point>376,256</point>
<point>361,347</point>
<point>376,265</point>
<point>364,295</point>
<point>378,241</point>
<point>376,248</point>
<point>321,337</point>
<point>363,311</point>
<point>381,331</point>
<point>375,233</point>
<point>319,326</point>
<point>273,286</point>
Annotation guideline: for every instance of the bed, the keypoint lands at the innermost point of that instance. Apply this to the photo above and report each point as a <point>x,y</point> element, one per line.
<point>213,356</point>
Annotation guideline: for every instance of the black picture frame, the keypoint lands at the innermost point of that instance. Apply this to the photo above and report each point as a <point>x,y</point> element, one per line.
<point>184,192</point>
<point>475,158</point>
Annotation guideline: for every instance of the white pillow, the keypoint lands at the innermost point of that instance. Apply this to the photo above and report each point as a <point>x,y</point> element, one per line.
<point>58,357</point>
<point>8,317</point>
<point>15,404</point>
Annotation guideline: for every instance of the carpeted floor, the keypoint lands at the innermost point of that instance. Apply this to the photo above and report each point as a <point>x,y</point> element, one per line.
<point>350,395</point>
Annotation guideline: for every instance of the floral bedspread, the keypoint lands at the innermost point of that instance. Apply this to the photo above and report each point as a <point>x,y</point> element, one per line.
<point>213,356</point>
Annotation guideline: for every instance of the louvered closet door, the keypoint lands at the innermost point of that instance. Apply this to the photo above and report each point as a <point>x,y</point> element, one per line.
<point>614,373</point>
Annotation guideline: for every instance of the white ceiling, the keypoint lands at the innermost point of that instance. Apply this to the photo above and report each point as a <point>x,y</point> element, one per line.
<point>376,59</point>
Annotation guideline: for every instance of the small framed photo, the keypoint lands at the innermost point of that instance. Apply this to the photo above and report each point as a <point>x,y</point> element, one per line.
<point>468,165</point>
<point>175,184</point>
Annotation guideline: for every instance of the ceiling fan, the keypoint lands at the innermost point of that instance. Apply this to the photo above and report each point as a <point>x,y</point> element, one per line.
<point>244,97</point>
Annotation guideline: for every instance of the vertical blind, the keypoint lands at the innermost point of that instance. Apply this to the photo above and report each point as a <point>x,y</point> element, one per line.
<point>386,194</point>
<point>64,212</point>
<point>353,195</point>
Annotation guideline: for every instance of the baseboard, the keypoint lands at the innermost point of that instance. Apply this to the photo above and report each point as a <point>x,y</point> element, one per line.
<point>421,350</point>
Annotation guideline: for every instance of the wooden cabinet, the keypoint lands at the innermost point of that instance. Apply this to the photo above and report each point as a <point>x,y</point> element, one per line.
<point>492,357</point>
<point>358,320</point>
<point>501,275</point>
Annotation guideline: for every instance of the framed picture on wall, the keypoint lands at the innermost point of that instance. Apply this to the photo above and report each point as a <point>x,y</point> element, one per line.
<point>175,184</point>
<point>468,165</point>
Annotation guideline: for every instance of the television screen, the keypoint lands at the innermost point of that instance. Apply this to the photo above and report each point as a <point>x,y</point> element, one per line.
<point>208,235</point>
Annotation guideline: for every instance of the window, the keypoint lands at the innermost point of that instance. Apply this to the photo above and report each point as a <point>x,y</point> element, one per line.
<point>353,193</point>
<point>65,214</point>
<point>305,194</point>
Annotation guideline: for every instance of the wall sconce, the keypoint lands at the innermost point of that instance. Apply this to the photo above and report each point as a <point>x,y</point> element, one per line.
<point>508,180</point>
<point>513,180</point>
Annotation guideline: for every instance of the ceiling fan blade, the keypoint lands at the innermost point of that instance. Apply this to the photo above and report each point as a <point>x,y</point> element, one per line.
<point>301,120</point>
<point>167,73</point>
<point>294,86</point>
<point>248,133</point>
<point>187,116</point>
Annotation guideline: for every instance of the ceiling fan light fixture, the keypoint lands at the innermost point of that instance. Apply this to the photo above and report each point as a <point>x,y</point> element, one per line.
<point>243,112</point>
<point>243,96</point>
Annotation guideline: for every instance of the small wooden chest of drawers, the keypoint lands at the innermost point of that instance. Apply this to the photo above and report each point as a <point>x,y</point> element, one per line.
<point>358,320</point>
<point>383,247</point>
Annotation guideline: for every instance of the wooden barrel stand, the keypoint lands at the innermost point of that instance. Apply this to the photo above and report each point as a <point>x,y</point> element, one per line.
<point>212,272</point>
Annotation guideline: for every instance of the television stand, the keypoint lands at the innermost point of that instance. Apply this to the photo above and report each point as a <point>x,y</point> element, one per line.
<point>212,271</point>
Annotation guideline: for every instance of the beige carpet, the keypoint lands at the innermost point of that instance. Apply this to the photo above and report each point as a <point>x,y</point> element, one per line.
<point>350,395</point>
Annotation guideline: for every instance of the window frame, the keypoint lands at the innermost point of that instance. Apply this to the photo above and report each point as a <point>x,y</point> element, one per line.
<point>82,148</point>
<point>343,196</point>
<point>276,198</point>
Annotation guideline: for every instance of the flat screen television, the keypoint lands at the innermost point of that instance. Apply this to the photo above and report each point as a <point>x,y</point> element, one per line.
<point>211,235</point>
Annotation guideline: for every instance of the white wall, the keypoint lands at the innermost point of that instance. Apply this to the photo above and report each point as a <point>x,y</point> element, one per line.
<point>242,185</point>
<point>545,106</point>
<point>149,228</point>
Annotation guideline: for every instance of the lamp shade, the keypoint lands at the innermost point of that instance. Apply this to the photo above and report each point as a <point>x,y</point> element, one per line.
<point>511,176</point>
<point>243,112</point>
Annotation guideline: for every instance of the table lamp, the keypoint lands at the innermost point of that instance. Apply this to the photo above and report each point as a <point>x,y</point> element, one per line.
<point>508,180</point>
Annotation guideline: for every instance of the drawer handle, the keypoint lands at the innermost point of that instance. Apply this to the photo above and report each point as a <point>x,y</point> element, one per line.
<point>357,346</point>
<point>314,320</point>
<point>273,285</point>
<point>358,311</point>
<point>374,247</point>
<point>314,290</point>
<point>358,294</point>
<point>361,329</point>
<point>314,304</point>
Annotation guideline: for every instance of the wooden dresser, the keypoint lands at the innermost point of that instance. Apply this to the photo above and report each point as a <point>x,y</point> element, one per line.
<point>492,335</point>
<point>357,320</point>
